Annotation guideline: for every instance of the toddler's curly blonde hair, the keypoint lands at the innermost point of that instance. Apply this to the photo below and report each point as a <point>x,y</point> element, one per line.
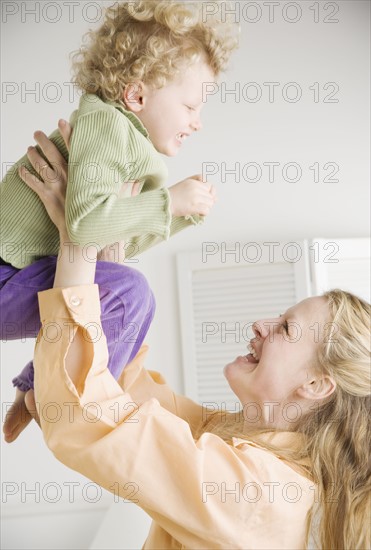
<point>153,42</point>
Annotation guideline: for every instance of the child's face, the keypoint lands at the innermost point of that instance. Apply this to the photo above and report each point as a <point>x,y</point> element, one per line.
<point>172,113</point>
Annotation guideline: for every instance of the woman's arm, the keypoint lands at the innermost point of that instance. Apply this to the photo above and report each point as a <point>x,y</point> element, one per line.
<point>52,190</point>
<point>75,265</point>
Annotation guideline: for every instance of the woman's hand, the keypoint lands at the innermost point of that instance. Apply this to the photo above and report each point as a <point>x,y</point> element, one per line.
<point>52,184</point>
<point>51,187</point>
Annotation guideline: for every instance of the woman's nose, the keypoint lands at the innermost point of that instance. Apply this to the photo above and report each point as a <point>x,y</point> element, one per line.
<point>256,329</point>
<point>263,327</point>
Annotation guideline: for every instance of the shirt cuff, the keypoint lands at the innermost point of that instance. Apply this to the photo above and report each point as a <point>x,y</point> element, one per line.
<point>195,219</point>
<point>77,302</point>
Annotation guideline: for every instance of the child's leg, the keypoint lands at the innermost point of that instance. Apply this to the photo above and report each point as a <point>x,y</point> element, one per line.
<point>127,305</point>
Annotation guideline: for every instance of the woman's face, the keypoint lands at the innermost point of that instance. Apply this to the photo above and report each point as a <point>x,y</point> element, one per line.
<point>285,350</point>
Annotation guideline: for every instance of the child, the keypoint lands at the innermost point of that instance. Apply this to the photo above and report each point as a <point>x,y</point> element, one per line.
<point>142,76</point>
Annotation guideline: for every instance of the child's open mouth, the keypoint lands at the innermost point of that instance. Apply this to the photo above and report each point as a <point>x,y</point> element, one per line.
<point>180,137</point>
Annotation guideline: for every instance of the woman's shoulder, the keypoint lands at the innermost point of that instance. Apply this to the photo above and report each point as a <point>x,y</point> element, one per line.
<point>282,446</point>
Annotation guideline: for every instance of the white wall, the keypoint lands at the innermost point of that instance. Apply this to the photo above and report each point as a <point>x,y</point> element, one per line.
<point>35,54</point>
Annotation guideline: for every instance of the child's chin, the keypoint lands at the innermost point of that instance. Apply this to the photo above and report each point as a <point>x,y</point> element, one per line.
<point>172,152</point>
<point>168,152</point>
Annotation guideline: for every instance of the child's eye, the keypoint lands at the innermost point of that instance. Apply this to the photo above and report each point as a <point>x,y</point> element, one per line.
<point>190,108</point>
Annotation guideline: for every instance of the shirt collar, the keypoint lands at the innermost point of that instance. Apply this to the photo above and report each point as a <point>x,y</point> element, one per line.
<point>286,439</point>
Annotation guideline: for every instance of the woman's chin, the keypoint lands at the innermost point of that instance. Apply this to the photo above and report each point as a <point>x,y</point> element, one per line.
<point>242,362</point>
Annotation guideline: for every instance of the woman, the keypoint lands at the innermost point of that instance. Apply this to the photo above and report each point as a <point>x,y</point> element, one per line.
<point>293,464</point>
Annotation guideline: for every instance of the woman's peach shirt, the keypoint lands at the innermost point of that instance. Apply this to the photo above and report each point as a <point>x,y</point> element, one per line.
<point>134,438</point>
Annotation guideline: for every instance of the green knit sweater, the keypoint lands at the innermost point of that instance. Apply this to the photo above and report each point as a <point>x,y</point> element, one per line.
<point>109,146</point>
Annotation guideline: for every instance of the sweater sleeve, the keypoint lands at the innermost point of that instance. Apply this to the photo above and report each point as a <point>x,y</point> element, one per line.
<point>137,245</point>
<point>103,155</point>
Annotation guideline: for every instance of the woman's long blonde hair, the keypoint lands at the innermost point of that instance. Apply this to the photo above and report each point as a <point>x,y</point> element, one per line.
<point>153,42</point>
<point>337,435</point>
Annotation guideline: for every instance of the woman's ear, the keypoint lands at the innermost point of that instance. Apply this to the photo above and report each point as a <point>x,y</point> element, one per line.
<point>318,387</point>
<point>134,96</point>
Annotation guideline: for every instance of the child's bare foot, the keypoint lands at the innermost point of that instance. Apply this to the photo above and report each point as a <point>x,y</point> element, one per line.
<point>31,405</point>
<point>17,418</point>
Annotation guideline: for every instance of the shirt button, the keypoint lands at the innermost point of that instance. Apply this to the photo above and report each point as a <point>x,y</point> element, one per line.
<point>75,301</point>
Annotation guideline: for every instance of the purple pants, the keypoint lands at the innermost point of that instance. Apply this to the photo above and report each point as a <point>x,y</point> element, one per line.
<point>127,306</point>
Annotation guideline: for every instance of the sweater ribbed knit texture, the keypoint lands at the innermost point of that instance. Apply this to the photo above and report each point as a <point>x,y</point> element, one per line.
<point>109,146</point>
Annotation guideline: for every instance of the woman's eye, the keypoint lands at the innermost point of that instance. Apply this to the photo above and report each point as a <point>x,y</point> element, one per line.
<point>285,326</point>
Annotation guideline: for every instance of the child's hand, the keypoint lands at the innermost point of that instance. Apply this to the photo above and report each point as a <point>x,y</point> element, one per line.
<point>192,196</point>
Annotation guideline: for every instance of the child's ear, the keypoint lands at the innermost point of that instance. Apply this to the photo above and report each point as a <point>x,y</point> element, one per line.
<point>133,96</point>
<point>318,387</point>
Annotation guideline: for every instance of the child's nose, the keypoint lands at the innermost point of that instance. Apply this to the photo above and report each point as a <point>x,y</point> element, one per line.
<point>196,124</point>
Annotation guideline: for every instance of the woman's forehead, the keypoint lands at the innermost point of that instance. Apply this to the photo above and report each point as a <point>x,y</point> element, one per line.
<point>314,308</point>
